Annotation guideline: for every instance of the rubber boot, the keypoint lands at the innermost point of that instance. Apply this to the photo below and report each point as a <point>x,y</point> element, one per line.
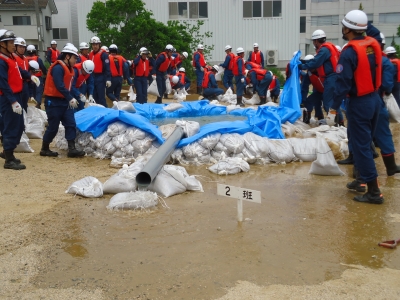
<point>373,195</point>
<point>11,163</point>
<point>159,100</point>
<point>348,161</point>
<point>390,164</point>
<point>358,184</point>
<point>165,96</point>
<point>239,101</point>
<point>306,117</point>
<point>374,153</point>
<point>263,100</point>
<point>45,151</point>
<point>199,90</point>
<point>73,152</point>
<point>3,156</point>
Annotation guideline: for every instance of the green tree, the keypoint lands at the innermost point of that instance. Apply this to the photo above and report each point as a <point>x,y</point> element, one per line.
<point>393,43</point>
<point>360,7</point>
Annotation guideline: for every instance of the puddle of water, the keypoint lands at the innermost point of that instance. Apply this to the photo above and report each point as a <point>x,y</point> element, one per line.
<point>74,248</point>
<point>201,120</point>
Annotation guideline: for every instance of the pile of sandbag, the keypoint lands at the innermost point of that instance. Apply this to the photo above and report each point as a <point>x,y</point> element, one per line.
<point>35,122</point>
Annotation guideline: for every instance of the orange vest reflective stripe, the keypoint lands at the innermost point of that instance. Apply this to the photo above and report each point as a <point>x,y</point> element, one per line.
<point>54,54</point>
<point>81,78</point>
<point>316,82</point>
<point>98,63</point>
<point>35,58</point>
<point>22,62</point>
<point>206,78</point>
<point>334,59</point>
<point>113,66</point>
<point>14,76</point>
<point>253,65</point>
<point>235,69</point>
<point>232,61</point>
<point>256,57</point>
<point>362,74</point>
<point>260,73</point>
<point>201,59</point>
<point>164,66</point>
<point>272,85</point>
<point>142,68</point>
<point>396,63</point>
<point>83,57</point>
<point>50,88</point>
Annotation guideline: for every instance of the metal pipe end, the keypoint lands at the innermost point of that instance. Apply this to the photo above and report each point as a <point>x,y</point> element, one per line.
<point>143,179</point>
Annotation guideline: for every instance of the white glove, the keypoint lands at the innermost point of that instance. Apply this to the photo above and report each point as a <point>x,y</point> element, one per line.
<point>242,80</point>
<point>33,100</point>
<point>154,77</point>
<point>91,99</point>
<point>330,119</point>
<point>108,83</point>
<point>202,69</point>
<point>83,98</point>
<point>16,107</point>
<point>73,103</point>
<point>35,80</point>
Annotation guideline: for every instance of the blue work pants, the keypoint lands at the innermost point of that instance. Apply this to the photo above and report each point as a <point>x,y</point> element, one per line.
<point>209,92</point>
<point>99,92</point>
<point>396,92</point>
<point>140,83</point>
<point>114,91</point>
<point>383,135</point>
<point>239,85</point>
<point>315,100</point>
<point>160,79</point>
<point>262,86</point>
<point>199,77</point>
<point>227,80</point>
<point>12,124</point>
<point>55,115</point>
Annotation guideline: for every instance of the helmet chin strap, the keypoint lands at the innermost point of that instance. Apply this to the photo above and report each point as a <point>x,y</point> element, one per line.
<point>10,53</point>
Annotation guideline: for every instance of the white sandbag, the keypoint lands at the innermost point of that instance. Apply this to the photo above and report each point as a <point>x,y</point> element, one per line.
<point>102,140</point>
<point>179,95</point>
<point>271,104</point>
<point>215,102</point>
<point>123,105</point>
<point>194,150</point>
<point>120,141</point>
<point>256,145</point>
<point>133,134</point>
<point>302,125</point>
<point>133,200</point>
<point>94,104</point>
<point>325,164</point>
<point>228,92</point>
<point>172,107</point>
<point>176,156</point>
<point>189,127</point>
<point>131,95</point>
<point>392,107</point>
<point>24,145</point>
<point>124,180</point>
<point>168,86</point>
<point>234,142</point>
<point>128,151</point>
<point>109,148</point>
<point>210,140</point>
<point>192,183</point>
<point>84,138</point>
<point>167,130</point>
<point>248,156</point>
<point>231,107</point>
<point>118,153</point>
<point>218,155</point>
<point>219,147</point>
<point>168,182</point>
<point>87,187</point>
<point>218,76</point>
<point>304,149</point>
<point>35,123</point>
<point>230,166</point>
<point>153,90</point>
<point>288,129</point>
<point>116,128</point>
<point>280,151</point>
<point>141,146</point>
<point>253,100</point>
<point>119,162</point>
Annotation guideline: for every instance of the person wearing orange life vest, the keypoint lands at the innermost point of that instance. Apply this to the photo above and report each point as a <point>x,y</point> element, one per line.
<point>60,103</point>
<point>52,52</point>
<point>359,72</point>
<point>228,66</point>
<point>101,73</point>
<point>163,68</point>
<point>117,68</point>
<point>261,79</point>
<point>177,61</point>
<point>82,76</point>
<point>239,71</point>
<point>391,54</point>
<point>274,89</point>
<point>11,85</point>
<point>84,52</point>
<point>141,73</point>
<point>211,91</point>
<point>183,78</point>
<point>199,63</point>
<point>37,91</point>
<point>256,56</point>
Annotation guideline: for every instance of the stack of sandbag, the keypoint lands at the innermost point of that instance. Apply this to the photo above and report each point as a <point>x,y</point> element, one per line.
<point>123,105</point>
<point>35,122</point>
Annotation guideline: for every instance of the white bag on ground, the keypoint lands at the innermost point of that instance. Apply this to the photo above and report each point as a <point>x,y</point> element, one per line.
<point>393,108</point>
<point>304,149</point>
<point>189,127</point>
<point>231,107</point>
<point>180,95</point>
<point>168,182</point>
<point>172,107</point>
<point>24,145</point>
<point>131,95</point>
<point>280,151</point>
<point>192,183</point>
<point>152,90</point>
<point>133,200</point>
<point>253,100</point>
<point>118,162</point>
<point>256,145</point>
<point>230,166</point>
<point>87,187</point>
<point>210,140</point>
<point>168,86</point>
<point>234,142</point>
<point>123,105</point>
<point>325,163</point>
<point>124,180</point>
<point>34,123</point>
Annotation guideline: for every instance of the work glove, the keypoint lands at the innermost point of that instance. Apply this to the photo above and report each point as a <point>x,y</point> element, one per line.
<point>165,76</point>
<point>16,107</point>
<point>330,119</point>
<point>108,83</point>
<point>242,80</point>
<point>202,69</point>
<point>73,103</point>
<point>83,98</point>
<point>91,99</point>
<point>33,100</point>
<point>154,77</point>
<point>35,80</point>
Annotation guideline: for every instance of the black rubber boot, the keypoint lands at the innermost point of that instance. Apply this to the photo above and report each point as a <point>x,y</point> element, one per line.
<point>73,152</point>
<point>239,101</point>
<point>263,100</point>
<point>306,117</point>
<point>3,156</point>
<point>159,100</point>
<point>348,161</point>
<point>358,184</point>
<point>165,96</point>
<point>390,164</point>
<point>373,195</point>
<point>11,163</point>
<point>374,153</point>
<point>45,151</point>
<point>199,90</point>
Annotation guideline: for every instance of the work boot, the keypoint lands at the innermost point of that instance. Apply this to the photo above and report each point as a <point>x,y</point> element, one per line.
<point>45,151</point>
<point>263,100</point>
<point>159,100</point>
<point>306,117</point>
<point>348,161</point>
<point>165,96</point>
<point>373,195</point>
<point>3,156</point>
<point>239,101</point>
<point>199,90</point>
<point>358,184</point>
<point>11,162</point>
<point>373,149</point>
<point>390,164</point>
<point>72,151</point>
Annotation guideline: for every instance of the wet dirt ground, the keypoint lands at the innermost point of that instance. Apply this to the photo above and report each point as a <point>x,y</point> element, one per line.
<point>306,240</point>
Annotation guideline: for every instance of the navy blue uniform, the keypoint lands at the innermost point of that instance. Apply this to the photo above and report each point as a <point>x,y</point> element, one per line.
<point>313,100</point>
<point>228,75</point>
<point>99,93</point>
<point>212,88</point>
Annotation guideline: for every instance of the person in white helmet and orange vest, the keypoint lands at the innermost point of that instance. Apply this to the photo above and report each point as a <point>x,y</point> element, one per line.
<point>163,69</point>
<point>260,78</point>
<point>239,71</point>
<point>199,63</point>
<point>83,83</point>
<point>52,52</point>
<point>183,78</point>
<point>228,67</point>
<point>84,52</point>
<point>118,69</point>
<point>141,73</point>
<point>256,56</point>
<point>37,91</point>
<point>101,73</point>
<point>391,54</point>
<point>177,60</point>
<point>211,91</point>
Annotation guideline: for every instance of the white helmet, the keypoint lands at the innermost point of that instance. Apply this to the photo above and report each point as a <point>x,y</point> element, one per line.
<point>169,47</point>
<point>215,67</point>
<point>390,50</point>
<point>70,49</point>
<point>53,42</point>
<point>113,46</point>
<point>34,65</point>
<point>228,47</point>
<point>318,34</point>
<point>355,19</point>
<point>255,45</point>
<point>294,53</point>
<point>338,48</point>
<point>175,79</point>
<point>185,54</point>
<point>20,41</point>
<point>95,40</point>
<point>239,50</point>
<point>383,38</point>
<point>200,47</point>
<point>143,50</point>
<point>6,35</point>
<point>182,69</point>
<point>83,46</point>
<point>31,48</point>
<point>88,66</point>
<point>104,48</point>
<point>308,57</point>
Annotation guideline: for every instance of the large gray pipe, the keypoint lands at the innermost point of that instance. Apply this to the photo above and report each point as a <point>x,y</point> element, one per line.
<point>153,166</point>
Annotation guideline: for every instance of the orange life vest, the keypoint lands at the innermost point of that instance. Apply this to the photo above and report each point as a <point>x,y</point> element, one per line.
<point>256,57</point>
<point>232,61</point>
<point>142,68</point>
<point>164,66</point>
<point>81,78</point>
<point>362,74</point>
<point>316,82</point>
<point>14,76</point>
<point>113,67</point>
<point>253,65</point>
<point>206,78</point>
<point>183,77</point>
<point>260,73</point>
<point>235,69</point>
<point>201,59</point>
<point>396,63</point>
<point>22,62</point>
<point>98,63</point>
<point>83,57</point>
<point>54,54</point>
<point>35,58</point>
<point>334,59</point>
<point>50,88</point>
<point>176,61</point>
<point>272,85</point>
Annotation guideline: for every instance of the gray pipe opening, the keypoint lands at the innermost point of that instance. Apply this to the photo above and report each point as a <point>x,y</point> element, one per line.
<point>143,179</point>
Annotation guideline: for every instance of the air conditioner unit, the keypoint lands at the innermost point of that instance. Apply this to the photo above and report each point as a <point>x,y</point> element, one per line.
<point>272,57</point>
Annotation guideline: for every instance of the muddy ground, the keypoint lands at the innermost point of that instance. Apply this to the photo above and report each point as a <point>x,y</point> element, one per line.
<point>306,240</point>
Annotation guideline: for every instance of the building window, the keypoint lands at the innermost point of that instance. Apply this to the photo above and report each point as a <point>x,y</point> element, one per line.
<point>48,23</point>
<point>390,18</point>
<point>370,18</point>
<point>188,10</point>
<point>324,20</point>
<point>333,41</point>
<point>265,9</point>
<point>302,24</point>
<point>60,34</point>
<point>303,4</point>
<point>22,20</point>
<point>198,10</point>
